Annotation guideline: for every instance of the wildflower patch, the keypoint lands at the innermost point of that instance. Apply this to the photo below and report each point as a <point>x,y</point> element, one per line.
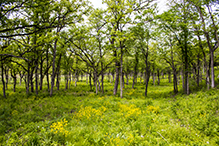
<point>129,111</point>
<point>88,112</point>
<point>59,127</point>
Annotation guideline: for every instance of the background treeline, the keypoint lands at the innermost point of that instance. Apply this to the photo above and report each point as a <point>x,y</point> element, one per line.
<point>42,41</point>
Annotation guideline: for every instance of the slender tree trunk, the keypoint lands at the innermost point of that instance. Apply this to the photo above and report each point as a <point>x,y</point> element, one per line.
<point>28,78</point>
<point>58,72</point>
<point>3,80</point>
<point>76,73</point>
<point>158,77</point>
<point>121,72</point>
<point>90,81</point>
<point>117,79</point>
<point>212,70</point>
<point>87,77</point>
<point>41,73</point>
<point>95,82</point>
<point>53,68</point>
<point>175,80</point>
<point>147,79</point>
<point>36,78</point>
<point>66,84</point>
<point>6,77</point>
<point>47,65</point>
<point>153,77</point>
<point>31,80</point>
<point>198,70</point>
<point>15,83</point>
<point>182,76</point>
<point>102,80</point>
<point>69,79</point>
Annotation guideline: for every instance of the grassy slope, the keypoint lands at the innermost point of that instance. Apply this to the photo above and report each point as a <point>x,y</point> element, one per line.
<point>80,117</point>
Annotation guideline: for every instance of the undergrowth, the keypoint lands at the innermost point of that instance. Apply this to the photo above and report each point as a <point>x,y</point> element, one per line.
<point>80,117</point>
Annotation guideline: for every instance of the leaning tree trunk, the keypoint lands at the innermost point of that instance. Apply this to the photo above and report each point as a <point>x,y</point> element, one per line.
<point>6,77</point>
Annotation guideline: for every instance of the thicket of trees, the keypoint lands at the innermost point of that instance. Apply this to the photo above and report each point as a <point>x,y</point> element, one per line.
<point>48,39</point>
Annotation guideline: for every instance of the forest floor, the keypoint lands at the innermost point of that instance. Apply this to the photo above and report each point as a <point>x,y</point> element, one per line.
<point>80,117</point>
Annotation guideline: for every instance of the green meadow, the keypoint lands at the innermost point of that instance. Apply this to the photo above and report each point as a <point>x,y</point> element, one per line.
<point>79,117</point>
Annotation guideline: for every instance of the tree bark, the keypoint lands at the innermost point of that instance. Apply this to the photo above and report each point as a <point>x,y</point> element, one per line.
<point>41,73</point>
<point>116,80</point>
<point>47,65</point>
<point>212,70</point>
<point>53,68</point>
<point>158,77</point>
<point>3,80</point>
<point>36,78</point>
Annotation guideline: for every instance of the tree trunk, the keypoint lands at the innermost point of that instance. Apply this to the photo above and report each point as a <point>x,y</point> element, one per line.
<point>147,75</point>
<point>66,84</point>
<point>175,80</point>
<point>182,76</point>
<point>95,82</point>
<point>47,65</point>
<point>212,70</point>
<point>53,67</point>
<point>117,79</point>
<point>153,77</point>
<point>121,73</point>
<point>135,72</point>
<point>90,81</point>
<point>28,79</point>
<point>158,77</point>
<point>102,80</point>
<point>36,78</point>
<point>41,74</point>
<point>6,77</point>
<point>58,72</point>
<point>31,80</point>
<point>3,80</point>
<point>69,83</point>
<point>198,70</point>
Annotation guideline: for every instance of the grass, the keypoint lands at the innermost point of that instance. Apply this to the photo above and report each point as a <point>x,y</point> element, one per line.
<point>80,117</point>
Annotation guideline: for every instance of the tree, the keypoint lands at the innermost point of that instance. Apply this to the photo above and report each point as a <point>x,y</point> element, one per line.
<point>118,16</point>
